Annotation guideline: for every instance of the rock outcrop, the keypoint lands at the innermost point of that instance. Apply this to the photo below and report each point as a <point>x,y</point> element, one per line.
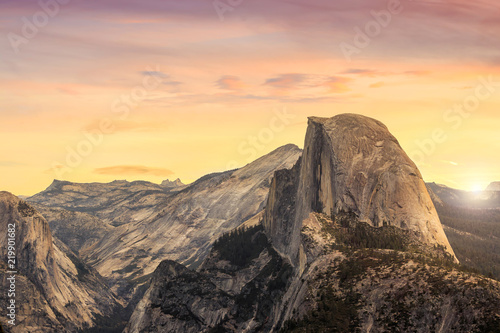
<point>495,186</point>
<point>372,289</point>
<point>351,163</point>
<point>172,184</point>
<point>56,292</point>
<point>237,289</point>
<point>172,294</point>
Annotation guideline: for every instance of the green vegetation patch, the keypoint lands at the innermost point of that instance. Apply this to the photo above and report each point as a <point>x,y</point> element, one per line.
<point>333,314</point>
<point>348,231</point>
<point>241,246</point>
<point>25,210</point>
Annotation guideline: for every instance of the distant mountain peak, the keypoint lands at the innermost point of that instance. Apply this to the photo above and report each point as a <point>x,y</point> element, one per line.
<point>57,184</point>
<point>288,147</point>
<point>495,186</point>
<point>171,184</point>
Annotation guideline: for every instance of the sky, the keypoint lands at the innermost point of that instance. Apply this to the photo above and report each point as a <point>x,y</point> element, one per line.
<point>93,91</point>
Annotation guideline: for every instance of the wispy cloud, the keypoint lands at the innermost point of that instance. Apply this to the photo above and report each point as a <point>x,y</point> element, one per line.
<point>68,91</point>
<point>367,72</point>
<point>122,170</point>
<point>334,84</point>
<point>156,74</point>
<point>229,82</point>
<point>286,81</point>
<point>361,72</point>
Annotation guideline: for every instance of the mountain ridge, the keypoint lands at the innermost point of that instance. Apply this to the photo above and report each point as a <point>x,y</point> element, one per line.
<point>157,224</point>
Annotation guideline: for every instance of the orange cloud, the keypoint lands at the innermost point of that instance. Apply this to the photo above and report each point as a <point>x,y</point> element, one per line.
<point>133,170</point>
<point>363,72</point>
<point>229,82</point>
<point>337,84</point>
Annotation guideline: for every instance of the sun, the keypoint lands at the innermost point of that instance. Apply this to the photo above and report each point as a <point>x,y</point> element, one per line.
<point>477,188</point>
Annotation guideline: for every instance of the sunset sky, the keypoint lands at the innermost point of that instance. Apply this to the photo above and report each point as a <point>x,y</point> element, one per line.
<point>93,91</point>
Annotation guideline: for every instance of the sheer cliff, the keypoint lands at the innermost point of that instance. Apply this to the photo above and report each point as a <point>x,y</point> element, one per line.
<point>351,163</point>
<point>55,290</point>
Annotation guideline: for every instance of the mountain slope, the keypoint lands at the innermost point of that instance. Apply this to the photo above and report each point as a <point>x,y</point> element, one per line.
<point>57,291</point>
<point>77,230</point>
<point>155,223</point>
<point>190,221</point>
<point>116,203</point>
<point>357,278</point>
<point>386,285</point>
<point>474,233</point>
<point>475,200</point>
<point>237,286</point>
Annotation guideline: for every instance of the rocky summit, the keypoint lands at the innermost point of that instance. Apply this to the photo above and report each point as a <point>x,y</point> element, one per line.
<point>351,164</point>
<point>172,184</point>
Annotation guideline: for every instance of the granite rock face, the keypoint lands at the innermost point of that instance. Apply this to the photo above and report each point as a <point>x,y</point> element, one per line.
<point>117,203</point>
<point>352,163</point>
<point>189,299</point>
<point>77,230</point>
<point>56,292</point>
<point>228,293</point>
<point>188,222</point>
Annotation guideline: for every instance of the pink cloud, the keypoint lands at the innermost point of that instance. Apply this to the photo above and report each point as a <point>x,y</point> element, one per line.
<point>286,81</point>
<point>229,82</point>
